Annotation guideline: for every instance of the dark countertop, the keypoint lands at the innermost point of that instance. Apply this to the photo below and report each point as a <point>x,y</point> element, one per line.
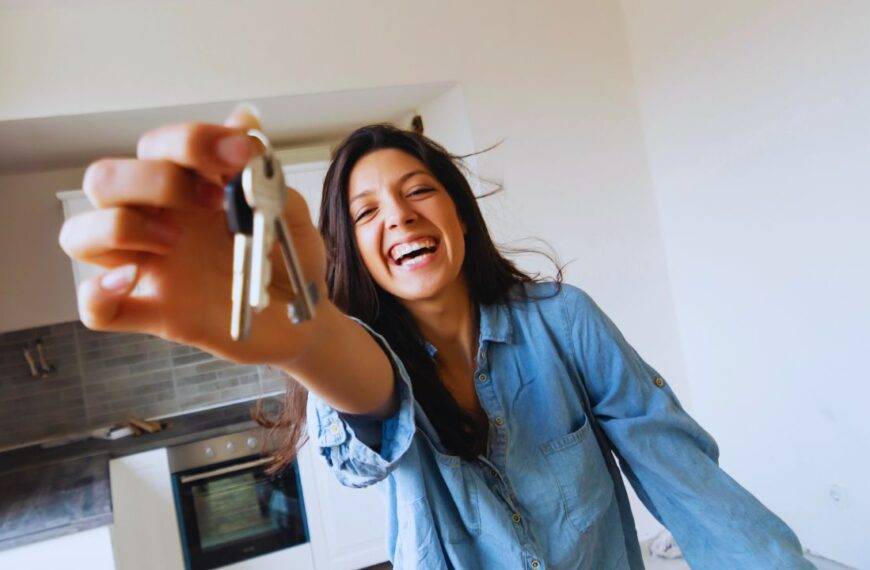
<point>45,493</point>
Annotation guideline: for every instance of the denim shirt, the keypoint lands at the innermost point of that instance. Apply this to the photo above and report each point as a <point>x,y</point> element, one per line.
<point>548,493</point>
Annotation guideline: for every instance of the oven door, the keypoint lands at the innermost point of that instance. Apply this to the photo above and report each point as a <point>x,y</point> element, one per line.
<point>234,511</point>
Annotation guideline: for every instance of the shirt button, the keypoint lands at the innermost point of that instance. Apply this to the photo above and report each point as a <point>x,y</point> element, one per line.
<point>516,518</point>
<point>535,564</point>
<point>493,472</point>
<point>334,428</point>
<point>659,382</point>
<point>499,421</point>
<point>483,378</point>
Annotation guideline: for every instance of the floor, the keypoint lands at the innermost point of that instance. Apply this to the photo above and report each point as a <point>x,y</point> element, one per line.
<point>653,563</point>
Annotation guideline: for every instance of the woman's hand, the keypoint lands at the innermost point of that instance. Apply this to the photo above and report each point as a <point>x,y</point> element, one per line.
<point>161,232</point>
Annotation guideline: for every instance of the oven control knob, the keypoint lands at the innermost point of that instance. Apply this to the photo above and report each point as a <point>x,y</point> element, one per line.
<point>251,442</point>
<point>231,447</point>
<point>209,452</point>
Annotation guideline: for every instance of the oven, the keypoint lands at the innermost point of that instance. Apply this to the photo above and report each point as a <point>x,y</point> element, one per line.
<point>229,509</point>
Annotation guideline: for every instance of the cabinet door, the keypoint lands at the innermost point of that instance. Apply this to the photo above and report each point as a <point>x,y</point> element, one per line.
<point>307,179</point>
<point>350,523</point>
<point>75,202</point>
<point>91,549</point>
<point>145,533</point>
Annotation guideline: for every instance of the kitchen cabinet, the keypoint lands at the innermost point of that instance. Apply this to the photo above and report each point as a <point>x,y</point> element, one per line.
<point>91,549</point>
<point>145,532</point>
<point>346,526</point>
<point>75,202</point>
<point>353,520</point>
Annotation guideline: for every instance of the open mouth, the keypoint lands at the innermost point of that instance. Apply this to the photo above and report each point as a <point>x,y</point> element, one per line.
<point>414,254</point>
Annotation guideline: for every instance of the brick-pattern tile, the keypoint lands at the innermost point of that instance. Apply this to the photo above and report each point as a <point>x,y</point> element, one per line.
<point>100,378</point>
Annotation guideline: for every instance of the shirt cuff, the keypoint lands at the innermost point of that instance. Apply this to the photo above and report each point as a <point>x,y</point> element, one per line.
<point>360,450</point>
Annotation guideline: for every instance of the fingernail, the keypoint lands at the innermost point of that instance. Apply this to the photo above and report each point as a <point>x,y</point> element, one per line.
<point>120,279</point>
<point>248,108</point>
<point>162,231</point>
<point>210,194</point>
<point>234,150</point>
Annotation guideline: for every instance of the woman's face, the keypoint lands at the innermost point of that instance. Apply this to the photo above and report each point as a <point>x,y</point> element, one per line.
<point>406,225</point>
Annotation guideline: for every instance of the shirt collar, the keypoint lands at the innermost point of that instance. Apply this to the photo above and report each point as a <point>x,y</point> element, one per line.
<point>495,326</point>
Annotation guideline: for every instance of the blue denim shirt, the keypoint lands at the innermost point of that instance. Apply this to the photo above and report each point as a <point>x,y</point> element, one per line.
<point>548,493</point>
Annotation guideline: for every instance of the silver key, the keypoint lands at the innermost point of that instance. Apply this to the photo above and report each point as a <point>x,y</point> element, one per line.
<point>240,321</point>
<point>265,191</point>
<point>239,220</point>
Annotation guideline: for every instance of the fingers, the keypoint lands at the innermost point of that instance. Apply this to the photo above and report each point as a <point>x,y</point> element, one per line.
<point>114,182</point>
<point>180,166</point>
<point>211,150</point>
<point>105,304</point>
<point>109,236</point>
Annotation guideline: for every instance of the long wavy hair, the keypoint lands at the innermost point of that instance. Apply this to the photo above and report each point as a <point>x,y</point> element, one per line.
<point>491,277</point>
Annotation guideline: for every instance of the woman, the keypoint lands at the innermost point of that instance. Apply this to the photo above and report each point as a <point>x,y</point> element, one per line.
<point>484,403</point>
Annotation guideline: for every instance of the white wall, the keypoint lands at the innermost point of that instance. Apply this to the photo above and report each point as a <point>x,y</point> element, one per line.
<point>757,122</point>
<point>552,77</point>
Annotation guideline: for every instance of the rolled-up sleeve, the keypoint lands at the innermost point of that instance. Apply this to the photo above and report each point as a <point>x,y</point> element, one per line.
<point>671,462</point>
<point>361,451</point>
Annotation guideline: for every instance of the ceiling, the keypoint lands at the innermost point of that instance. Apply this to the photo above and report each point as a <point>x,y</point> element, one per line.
<point>48,143</point>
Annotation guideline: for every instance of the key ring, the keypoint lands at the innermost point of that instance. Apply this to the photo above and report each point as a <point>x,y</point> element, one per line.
<point>267,149</point>
<point>261,136</point>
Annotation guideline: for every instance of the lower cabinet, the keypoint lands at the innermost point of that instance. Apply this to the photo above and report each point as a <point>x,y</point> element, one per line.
<point>145,532</point>
<point>346,526</point>
<point>91,549</point>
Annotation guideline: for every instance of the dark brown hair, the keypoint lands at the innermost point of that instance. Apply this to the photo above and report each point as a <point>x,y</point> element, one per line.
<point>490,276</point>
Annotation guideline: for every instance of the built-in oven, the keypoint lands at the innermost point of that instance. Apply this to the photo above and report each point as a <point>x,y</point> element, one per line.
<point>228,508</point>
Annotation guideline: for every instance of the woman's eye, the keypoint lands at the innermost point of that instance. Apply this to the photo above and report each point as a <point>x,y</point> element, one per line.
<point>422,190</point>
<point>363,214</point>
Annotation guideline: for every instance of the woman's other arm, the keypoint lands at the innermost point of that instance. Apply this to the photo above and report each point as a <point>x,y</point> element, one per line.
<point>671,462</point>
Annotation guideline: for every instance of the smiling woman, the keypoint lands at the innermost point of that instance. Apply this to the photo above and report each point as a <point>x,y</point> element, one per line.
<point>489,405</point>
<point>406,240</point>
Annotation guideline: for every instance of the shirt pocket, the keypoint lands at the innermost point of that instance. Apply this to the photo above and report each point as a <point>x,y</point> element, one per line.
<point>577,464</point>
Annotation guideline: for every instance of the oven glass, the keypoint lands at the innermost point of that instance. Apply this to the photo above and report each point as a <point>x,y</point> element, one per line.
<point>238,514</point>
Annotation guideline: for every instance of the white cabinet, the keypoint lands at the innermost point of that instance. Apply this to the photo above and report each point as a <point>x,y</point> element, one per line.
<point>91,549</point>
<point>352,522</point>
<point>75,202</point>
<point>145,532</point>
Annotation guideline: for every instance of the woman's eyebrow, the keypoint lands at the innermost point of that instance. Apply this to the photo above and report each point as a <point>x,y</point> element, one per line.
<point>401,180</point>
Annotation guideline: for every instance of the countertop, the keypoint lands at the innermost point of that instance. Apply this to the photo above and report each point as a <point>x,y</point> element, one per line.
<point>45,493</point>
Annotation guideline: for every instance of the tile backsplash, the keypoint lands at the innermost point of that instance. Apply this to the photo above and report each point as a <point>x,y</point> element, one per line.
<point>100,378</point>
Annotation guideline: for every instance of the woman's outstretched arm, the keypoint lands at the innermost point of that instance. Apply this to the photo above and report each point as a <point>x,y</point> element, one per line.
<point>159,230</point>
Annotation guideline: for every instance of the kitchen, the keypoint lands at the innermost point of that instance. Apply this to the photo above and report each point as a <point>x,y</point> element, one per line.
<point>84,477</point>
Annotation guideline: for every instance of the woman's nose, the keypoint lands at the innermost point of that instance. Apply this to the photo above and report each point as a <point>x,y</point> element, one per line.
<point>400,214</point>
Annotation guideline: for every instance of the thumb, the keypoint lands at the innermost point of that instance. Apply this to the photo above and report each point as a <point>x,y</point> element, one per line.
<point>245,116</point>
<point>100,297</point>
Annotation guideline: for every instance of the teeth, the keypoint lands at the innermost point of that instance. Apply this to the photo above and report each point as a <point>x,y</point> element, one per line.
<point>405,248</point>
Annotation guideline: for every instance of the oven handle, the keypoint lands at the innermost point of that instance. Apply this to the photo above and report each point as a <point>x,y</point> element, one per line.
<point>225,470</point>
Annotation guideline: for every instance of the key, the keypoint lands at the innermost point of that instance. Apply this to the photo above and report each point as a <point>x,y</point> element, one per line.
<point>255,204</point>
<point>266,193</point>
<point>240,222</point>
